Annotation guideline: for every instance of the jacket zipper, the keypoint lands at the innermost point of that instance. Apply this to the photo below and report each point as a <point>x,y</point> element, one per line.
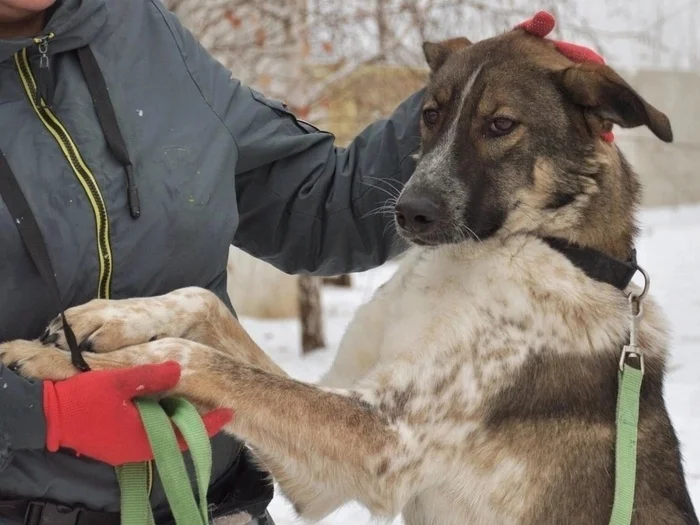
<point>73,156</point>
<point>42,108</point>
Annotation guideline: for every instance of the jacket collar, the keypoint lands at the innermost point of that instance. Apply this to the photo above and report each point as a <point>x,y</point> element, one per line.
<point>73,22</point>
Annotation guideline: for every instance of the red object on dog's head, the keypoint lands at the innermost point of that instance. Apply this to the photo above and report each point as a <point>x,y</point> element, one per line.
<point>541,25</point>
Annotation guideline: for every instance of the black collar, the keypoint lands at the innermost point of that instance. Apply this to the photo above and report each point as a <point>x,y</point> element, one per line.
<point>596,264</point>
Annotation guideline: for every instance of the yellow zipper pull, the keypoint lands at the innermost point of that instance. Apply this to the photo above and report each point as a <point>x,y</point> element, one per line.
<point>44,88</point>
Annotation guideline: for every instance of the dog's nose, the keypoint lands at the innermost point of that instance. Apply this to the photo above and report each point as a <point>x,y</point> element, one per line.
<point>417,214</point>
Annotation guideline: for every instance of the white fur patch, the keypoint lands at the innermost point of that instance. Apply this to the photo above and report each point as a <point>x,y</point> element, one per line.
<point>436,161</point>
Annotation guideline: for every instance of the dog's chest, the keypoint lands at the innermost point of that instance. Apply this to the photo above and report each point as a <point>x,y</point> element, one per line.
<point>488,307</point>
<point>437,302</point>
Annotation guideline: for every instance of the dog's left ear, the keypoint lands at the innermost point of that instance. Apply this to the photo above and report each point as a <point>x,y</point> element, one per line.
<point>437,53</point>
<point>607,96</point>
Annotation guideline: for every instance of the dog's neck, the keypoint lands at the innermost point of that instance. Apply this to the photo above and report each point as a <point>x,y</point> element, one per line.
<point>608,223</point>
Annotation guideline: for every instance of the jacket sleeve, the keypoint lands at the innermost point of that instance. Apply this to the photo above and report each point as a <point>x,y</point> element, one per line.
<point>22,425</point>
<point>305,204</point>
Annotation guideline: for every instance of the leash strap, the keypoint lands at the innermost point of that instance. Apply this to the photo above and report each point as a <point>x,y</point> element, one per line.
<point>630,385</point>
<point>135,506</point>
<point>186,418</point>
<point>619,274</point>
<point>133,485</point>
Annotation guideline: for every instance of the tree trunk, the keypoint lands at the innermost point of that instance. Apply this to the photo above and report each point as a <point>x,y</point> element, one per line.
<point>342,281</point>
<point>310,313</point>
<point>382,30</point>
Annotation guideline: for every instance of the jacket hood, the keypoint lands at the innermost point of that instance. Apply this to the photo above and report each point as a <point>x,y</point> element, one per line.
<point>73,22</point>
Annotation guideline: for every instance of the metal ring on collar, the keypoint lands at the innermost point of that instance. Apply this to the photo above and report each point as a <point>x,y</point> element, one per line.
<point>645,289</point>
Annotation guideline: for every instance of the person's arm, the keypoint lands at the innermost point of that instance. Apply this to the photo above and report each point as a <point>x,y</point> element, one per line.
<point>22,423</point>
<point>306,205</point>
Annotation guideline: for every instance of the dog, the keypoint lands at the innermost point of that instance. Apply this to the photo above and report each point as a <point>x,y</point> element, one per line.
<point>478,386</point>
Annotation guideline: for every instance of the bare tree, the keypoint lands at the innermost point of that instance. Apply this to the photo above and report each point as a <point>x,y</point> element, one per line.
<point>341,281</point>
<point>311,314</point>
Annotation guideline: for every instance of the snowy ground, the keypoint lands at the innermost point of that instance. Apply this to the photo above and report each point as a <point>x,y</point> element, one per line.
<point>669,250</point>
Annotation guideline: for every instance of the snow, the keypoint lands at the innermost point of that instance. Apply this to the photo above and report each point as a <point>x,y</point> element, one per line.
<point>669,249</point>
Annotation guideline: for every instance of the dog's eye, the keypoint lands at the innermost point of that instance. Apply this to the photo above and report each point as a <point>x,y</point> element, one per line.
<point>502,125</point>
<point>430,116</point>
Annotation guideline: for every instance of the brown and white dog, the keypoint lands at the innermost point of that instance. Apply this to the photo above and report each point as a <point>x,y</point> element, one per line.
<point>479,384</point>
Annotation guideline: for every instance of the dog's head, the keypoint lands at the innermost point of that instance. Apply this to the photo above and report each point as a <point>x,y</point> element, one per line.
<point>511,142</point>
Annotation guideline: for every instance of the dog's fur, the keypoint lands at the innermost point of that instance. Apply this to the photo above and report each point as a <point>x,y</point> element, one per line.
<point>479,384</point>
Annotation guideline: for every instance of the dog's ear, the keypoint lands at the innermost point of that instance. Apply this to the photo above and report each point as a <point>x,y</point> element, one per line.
<point>607,96</point>
<point>436,53</point>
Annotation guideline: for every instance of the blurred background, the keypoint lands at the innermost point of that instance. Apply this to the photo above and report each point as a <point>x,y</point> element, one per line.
<point>342,64</point>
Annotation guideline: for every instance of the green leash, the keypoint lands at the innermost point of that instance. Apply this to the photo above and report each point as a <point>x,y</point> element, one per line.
<point>133,484</point>
<point>186,418</point>
<point>630,384</point>
<point>627,421</point>
<point>133,478</point>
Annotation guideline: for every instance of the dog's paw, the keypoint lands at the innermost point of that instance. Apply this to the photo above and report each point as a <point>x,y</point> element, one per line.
<point>105,326</point>
<point>34,360</point>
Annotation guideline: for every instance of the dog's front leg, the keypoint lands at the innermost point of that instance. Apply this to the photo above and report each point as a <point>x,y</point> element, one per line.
<point>340,440</point>
<point>356,445</point>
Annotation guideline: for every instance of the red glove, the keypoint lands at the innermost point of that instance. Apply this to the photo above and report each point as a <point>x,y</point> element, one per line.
<point>541,25</point>
<point>93,413</point>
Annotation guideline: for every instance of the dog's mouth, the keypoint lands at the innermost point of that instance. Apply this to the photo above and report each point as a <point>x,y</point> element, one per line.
<point>438,237</point>
<point>421,242</point>
<point>448,234</point>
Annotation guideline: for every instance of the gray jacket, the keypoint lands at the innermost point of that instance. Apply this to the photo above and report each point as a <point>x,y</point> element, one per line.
<point>215,163</point>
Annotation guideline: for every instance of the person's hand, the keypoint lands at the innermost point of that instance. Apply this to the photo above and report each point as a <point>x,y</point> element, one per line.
<point>93,412</point>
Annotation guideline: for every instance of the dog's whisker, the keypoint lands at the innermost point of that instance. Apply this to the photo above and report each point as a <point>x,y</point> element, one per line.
<point>390,182</point>
<point>386,208</point>
<point>388,228</point>
<point>380,188</point>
